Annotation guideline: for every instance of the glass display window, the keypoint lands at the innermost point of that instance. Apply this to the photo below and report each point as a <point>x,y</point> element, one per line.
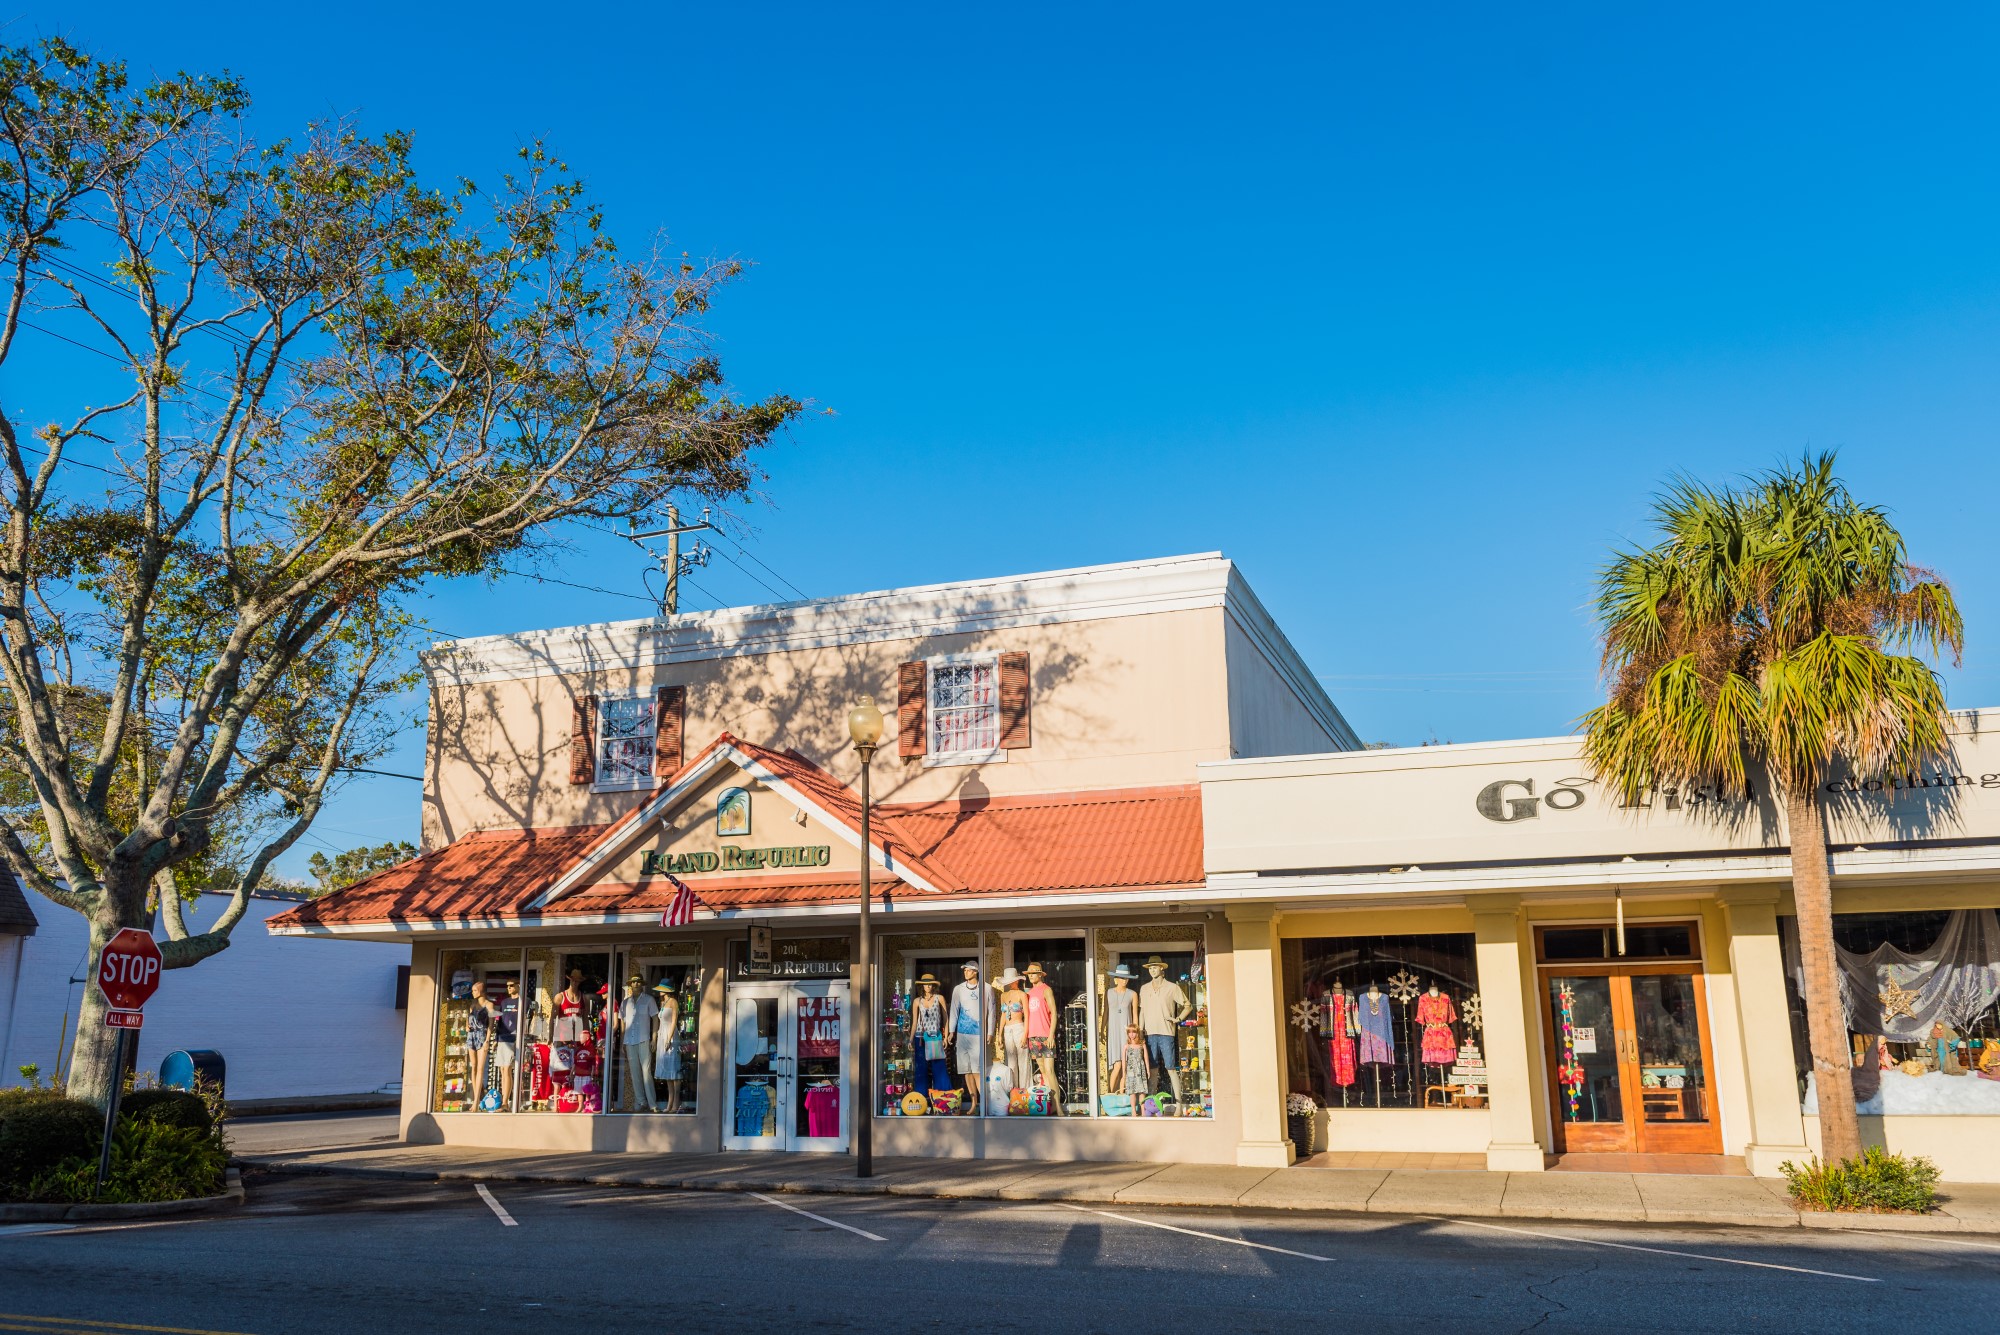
<point>654,1046</point>
<point>477,1057</point>
<point>1151,1045</point>
<point>1921,993</point>
<point>1386,1021</point>
<point>931,1041</point>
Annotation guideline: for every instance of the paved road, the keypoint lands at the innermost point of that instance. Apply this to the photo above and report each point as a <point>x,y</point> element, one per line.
<point>334,1255</point>
<point>310,1131</point>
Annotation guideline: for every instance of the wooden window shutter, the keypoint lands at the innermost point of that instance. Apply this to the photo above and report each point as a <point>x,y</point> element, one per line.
<point>669,731</point>
<point>912,681</point>
<point>1015,732</point>
<point>582,728</point>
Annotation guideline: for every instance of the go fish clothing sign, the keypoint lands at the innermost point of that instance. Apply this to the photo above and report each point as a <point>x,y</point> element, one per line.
<point>819,1027</point>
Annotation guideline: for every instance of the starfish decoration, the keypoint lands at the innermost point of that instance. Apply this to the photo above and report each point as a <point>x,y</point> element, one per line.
<point>1403,986</point>
<point>1473,1012</point>
<point>1302,1014</point>
<point>1897,1000</point>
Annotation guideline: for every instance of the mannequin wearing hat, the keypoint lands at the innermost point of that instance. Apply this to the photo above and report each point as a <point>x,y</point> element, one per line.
<point>1121,1012</point>
<point>1162,1006</point>
<point>1014,1025</point>
<point>637,1014</point>
<point>968,1022</point>
<point>667,1044</point>
<point>928,1068</point>
<point>1042,1027</point>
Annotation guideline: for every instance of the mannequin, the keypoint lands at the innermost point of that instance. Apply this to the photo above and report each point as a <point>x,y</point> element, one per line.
<point>1162,1006</point>
<point>637,1015</point>
<point>968,1021</point>
<point>1437,1015</point>
<point>928,1068</point>
<point>667,1044</point>
<point>1121,1011</point>
<point>572,1006</point>
<point>1338,1027</point>
<point>506,1042</point>
<point>1014,1026</point>
<point>478,1030</point>
<point>1374,1021</point>
<point>1042,1029</point>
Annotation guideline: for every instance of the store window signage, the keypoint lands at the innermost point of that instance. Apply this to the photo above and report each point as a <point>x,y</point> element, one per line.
<point>798,957</point>
<point>654,861</point>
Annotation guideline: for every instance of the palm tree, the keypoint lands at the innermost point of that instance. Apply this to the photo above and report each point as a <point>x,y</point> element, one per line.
<point>1756,636</point>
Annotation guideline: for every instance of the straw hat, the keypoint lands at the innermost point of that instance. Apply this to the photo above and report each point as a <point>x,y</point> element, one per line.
<point>930,978</point>
<point>1009,977</point>
<point>1036,971</point>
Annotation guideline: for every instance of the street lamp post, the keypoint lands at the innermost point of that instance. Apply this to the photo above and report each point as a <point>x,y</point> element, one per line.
<point>864,725</point>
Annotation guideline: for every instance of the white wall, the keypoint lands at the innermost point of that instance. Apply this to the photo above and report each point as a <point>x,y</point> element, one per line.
<point>292,1016</point>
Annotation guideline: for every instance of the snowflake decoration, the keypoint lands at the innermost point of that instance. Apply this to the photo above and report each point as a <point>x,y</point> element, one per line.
<point>1302,1014</point>
<point>1403,986</point>
<point>1897,1000</point>
<point>1474,1012</point>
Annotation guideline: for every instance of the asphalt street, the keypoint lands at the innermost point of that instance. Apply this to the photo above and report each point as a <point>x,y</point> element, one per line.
<point>332,1255</point>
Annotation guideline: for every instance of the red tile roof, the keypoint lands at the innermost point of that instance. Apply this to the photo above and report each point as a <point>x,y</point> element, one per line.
<point>1119,839</point>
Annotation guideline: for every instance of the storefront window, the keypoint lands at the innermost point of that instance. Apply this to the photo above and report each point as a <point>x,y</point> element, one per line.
<point>654,1028</point>
<point>1151,1046</point>
<point>935,1021</point>
<point>1922,997</point>
<point>478,1031</point>
<point>1386,1021</point>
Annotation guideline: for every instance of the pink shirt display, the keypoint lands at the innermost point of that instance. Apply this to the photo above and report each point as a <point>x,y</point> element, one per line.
<point>823,1110</point>
<point>1041,1011</point>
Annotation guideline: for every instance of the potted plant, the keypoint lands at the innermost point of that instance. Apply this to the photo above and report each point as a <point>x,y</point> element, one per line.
<point>1301,1116</point>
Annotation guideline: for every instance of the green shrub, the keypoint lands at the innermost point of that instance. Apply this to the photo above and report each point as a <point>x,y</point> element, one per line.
<point>1877,1182</point>
<point>171,1107</point>
<point>41,1131</point>
<point>150,1161</point>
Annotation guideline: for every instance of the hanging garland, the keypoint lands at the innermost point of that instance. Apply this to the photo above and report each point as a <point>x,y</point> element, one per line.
<point>1569,1072</point>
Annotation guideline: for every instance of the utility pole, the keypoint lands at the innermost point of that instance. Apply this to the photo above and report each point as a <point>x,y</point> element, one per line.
<point>672,563</point>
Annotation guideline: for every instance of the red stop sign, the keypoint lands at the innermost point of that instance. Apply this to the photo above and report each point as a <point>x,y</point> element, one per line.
<point>128,969</point>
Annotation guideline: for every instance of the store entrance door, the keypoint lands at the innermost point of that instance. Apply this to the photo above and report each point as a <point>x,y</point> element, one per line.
<point>787,1062</point>
<point>1630,1059</point>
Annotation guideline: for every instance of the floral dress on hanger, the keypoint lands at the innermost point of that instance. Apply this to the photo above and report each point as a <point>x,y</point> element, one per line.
<point>1340,1030</point>
<point>1436,1014</point>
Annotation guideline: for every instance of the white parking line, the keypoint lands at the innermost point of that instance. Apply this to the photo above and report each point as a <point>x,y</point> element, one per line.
<point>1196,1233</point>
<point>498,1208</point>
<point>817,1218</point>
<point>1659,1251</point>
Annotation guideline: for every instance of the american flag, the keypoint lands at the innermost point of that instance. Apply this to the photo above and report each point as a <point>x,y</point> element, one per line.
<point>681,912</point>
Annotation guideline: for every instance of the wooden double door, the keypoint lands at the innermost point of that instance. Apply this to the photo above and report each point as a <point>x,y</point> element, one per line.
<point>1630,1061</point>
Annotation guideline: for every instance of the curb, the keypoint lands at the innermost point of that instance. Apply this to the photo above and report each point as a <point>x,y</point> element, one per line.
<point>231,1197</point>
<point>838,1186</point>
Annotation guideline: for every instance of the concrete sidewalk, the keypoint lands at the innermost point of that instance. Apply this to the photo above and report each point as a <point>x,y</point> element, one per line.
<point>1603,1197</point>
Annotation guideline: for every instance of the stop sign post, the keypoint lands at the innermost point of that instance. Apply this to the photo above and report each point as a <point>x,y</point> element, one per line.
<point>128,973</point>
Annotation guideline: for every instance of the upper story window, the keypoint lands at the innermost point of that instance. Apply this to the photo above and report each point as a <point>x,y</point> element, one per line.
<point>619,743</point>
<point>625,736</point>
<point>963,709</point>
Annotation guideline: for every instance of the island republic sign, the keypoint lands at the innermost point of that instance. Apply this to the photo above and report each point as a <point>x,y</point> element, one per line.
<point>654,862</point>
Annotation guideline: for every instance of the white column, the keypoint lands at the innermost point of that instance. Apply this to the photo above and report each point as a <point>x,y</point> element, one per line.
<point>1260,1091</point>
<point>1497,932</point>
<point>1763,1017</point>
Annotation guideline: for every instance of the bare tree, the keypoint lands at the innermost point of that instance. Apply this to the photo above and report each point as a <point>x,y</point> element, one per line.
<point>325,386</point>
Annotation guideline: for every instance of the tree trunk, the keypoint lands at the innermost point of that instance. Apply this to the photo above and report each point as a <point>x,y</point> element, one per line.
<point>94,1050</point>
<point>1826,1022</point>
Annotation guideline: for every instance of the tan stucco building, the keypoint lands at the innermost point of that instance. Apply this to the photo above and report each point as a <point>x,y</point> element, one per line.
<point>1154,880</point>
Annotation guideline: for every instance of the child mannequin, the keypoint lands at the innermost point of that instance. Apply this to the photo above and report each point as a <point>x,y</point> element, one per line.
<point>1136,1066</point>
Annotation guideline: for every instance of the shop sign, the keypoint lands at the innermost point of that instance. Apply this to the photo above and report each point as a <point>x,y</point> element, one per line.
<point>798,957</point>
<point>819,1027</point>
<point>1505,801</point>
<point>656,862</point>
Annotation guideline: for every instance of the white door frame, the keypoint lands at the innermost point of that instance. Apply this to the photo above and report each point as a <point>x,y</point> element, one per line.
<point>788,992</point>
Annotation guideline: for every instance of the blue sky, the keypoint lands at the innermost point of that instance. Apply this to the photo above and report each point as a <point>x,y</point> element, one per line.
<point>1409,310</point>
